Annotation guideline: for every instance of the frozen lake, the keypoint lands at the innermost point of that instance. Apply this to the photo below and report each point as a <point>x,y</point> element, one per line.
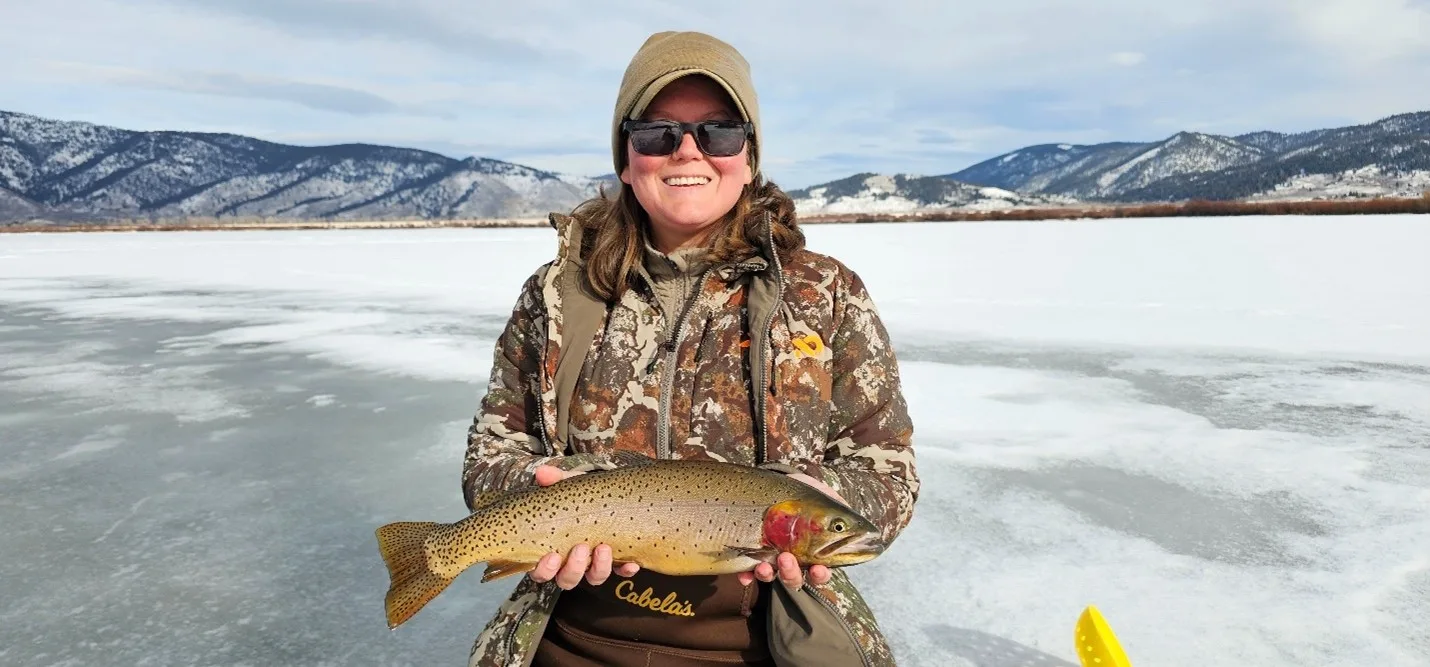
<point>1215,430</point>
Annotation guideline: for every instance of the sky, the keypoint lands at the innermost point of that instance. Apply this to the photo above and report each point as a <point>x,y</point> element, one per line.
<point>844,87</point>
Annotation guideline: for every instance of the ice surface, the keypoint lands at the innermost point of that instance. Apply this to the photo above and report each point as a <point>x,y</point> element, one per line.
<point>1216,430</point>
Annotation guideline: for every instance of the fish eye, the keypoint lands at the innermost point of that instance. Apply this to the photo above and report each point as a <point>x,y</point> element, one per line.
<point>838,526</point>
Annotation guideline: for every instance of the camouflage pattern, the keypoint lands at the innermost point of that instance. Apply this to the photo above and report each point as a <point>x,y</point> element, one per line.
<point>510,637</point>
<point>844,601</point>
<point>832,405</point>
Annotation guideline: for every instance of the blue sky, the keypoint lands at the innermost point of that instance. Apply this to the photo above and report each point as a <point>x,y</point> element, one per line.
<point>845,87</point>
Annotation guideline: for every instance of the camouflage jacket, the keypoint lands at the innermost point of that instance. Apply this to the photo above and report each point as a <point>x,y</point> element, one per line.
<point>804,330</point>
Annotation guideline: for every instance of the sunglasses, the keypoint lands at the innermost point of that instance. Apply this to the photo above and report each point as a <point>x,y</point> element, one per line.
<point>716,138</point>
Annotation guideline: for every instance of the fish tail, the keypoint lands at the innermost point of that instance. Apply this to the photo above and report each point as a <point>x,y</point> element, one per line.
<point>413,584</point>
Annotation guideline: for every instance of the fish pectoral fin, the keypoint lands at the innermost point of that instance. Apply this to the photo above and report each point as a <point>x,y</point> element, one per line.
<point>497,569</point>
<point>766,554</point>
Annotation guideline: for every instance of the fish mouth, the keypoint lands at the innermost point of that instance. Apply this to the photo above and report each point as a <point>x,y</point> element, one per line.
<point>855,548</point>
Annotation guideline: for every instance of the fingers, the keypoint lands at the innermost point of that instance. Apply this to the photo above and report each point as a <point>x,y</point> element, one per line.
<point>576,563</point>
<point>597,565</point>
<point>548,475</point>
<point>789,572</point>
<point>600,566</point>
<point>786,570</point>
<point>546,568</point>
<point>594,565</point>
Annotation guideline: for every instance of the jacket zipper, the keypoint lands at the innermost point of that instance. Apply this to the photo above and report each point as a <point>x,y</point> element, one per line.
<point>534,379</point>
<point>764,428</point>
<point>847,630</point>
<point>764,453</point>
<point>511,636</point>
<point>667,377</point>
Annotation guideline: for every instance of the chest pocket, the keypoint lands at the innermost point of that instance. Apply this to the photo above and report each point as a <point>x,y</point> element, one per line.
<point>801,388</point>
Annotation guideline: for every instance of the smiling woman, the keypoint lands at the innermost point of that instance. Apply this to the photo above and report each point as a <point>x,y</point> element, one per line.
<point>688,168</point>
<point>684,319</point>
<point>691,166</point>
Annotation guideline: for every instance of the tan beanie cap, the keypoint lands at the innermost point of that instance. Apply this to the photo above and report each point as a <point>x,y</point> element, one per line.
<point>667,56</point>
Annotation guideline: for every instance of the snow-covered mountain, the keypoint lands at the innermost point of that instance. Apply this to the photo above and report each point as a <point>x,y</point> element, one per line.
<point>1107,170</point>
<point>83,171</point>
<point>1395,149</point>
<point>1038,168</point>
<point>14,206</point>
<point>63,170</point>
<point>906,193</point>
<point>1194,165</point>
<point>1372,181</point>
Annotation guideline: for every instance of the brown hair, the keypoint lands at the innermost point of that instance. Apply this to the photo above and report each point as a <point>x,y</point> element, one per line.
<point>615,232</point>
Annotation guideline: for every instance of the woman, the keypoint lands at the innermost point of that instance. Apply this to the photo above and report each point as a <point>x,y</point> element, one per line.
<point>685,319</point>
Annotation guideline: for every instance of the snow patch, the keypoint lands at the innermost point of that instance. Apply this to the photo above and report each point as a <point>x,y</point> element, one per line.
<point>88,447</point>
<point>1107,179</point>
<point>910,193</point>
<point>1365,182</point>
<point>322,400</point>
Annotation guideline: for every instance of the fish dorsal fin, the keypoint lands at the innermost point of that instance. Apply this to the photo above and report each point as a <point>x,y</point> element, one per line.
<point>626,458</point>
<point>486,498</point>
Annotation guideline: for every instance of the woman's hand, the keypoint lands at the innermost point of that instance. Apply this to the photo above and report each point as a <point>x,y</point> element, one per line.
<point>786,566</point>
<point>595,565</point>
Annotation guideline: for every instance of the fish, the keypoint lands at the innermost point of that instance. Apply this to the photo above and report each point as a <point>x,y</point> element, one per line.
<point>675,517</point>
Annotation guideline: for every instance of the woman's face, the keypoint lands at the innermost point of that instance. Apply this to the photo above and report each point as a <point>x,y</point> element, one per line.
<point>686,192</point>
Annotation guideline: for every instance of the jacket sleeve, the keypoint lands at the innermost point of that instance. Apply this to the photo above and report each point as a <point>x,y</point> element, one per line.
<point>870,458</point>
<point>504,442</point>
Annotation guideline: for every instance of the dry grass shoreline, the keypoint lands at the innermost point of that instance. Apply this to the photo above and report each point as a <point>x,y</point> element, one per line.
<point>211,224</point>
<point>1198,208</point>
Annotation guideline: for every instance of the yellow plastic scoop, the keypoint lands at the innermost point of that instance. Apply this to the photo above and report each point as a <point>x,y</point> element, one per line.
<point>1096,645</point>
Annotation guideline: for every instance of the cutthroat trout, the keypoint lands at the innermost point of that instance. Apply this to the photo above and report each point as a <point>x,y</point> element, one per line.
<point>676,517</point>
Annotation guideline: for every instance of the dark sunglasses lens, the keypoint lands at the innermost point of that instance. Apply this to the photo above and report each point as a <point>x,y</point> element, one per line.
<point>720,140</point>
<point>715,139</point>
<point>659,140</point>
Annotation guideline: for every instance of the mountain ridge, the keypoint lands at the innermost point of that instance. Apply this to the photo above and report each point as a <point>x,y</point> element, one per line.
<point>1189,165</point>
<point>79,171</point>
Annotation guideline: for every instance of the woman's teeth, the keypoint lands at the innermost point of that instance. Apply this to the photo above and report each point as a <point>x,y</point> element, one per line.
<point>687,180</point>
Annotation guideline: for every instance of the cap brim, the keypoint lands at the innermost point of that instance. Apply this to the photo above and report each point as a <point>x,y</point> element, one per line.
<point>648,95</point>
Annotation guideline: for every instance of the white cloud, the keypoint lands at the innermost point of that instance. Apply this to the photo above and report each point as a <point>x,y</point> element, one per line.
<point>1128,58</point>
<point>1366,33</point>
<point>928,87</point>
<point>321,96</point>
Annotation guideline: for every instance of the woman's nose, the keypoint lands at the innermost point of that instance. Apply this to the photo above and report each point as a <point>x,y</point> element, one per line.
<point>687,150</point>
